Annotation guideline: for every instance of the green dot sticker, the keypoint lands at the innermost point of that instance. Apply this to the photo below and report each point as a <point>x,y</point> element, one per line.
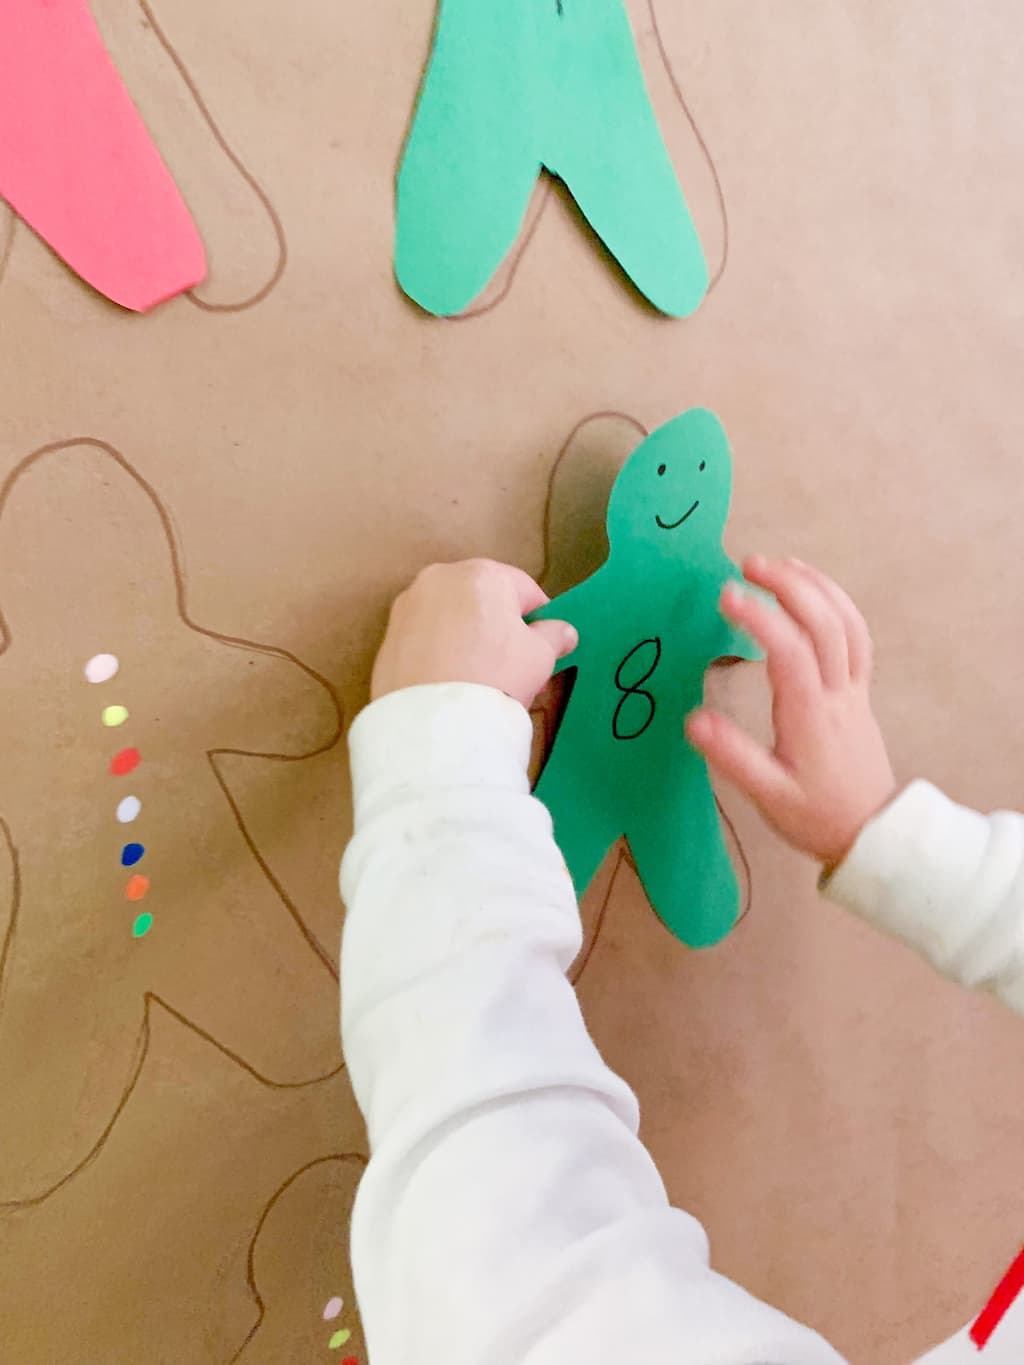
<point>142,925</point>
<point>114,715</point>
<point>339,1339</point>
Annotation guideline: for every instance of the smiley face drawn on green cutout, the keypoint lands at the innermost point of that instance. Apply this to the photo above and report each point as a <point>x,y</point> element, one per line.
<point>649,626</point>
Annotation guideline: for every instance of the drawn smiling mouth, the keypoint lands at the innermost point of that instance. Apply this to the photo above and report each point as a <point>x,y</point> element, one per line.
<point>671,525</point>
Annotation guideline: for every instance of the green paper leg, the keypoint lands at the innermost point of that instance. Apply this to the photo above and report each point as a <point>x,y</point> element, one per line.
<point>516,84</point>
<point>468,169</point>
<point>611,154</point>
<point>584,834</point>
<point>684,865</point>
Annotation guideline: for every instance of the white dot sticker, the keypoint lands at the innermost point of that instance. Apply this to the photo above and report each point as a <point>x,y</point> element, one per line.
<point>102,667</point>
<point>128,809</point>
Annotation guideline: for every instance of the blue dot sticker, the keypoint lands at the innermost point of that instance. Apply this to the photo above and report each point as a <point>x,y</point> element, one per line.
<point>131,854</point>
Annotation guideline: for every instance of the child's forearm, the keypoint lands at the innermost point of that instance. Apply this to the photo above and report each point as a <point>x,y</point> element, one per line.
<point>509,1212</point>
<point>946,880</point>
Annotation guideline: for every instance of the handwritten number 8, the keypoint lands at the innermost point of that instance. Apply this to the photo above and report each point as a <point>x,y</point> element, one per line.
<point>622,725</point>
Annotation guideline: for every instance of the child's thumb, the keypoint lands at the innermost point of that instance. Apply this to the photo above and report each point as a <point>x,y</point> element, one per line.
<point>559,636</point>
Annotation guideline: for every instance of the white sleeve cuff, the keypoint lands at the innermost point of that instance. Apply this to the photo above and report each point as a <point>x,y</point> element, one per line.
<point>439,735</point>
<point>946,880</point>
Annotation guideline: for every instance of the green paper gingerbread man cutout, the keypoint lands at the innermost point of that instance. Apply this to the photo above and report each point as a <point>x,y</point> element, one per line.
<point>649,626</point>
<point>516,85</point>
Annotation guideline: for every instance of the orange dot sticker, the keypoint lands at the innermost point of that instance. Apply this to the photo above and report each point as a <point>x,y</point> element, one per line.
<point>136,888</point>
<point>125,762</point>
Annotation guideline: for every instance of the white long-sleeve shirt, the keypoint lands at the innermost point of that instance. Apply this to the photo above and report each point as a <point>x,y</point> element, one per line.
<point>949,882</point>
<point>510,1214</point>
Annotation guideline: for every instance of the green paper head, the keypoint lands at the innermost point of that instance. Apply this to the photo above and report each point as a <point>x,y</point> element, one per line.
<point>672,495</point>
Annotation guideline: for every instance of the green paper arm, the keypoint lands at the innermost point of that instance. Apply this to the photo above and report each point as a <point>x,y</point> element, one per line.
<point>512,87</point>
<point>580,606</point>
<point>736,643</point>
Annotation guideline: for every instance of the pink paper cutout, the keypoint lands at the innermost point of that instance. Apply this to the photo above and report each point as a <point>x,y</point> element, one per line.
<point>77,164</point>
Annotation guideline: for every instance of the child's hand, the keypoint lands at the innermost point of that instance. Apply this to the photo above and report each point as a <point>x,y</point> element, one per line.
<point>829,772</point>
<point>464,623</point>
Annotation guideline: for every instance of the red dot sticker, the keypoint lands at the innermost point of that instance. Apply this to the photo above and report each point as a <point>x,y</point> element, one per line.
<point>136,888</point>
<point>125,762</point>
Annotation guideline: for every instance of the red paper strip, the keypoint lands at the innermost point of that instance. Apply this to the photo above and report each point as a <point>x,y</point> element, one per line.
<point>77,163</point>
<point>999,1304</point>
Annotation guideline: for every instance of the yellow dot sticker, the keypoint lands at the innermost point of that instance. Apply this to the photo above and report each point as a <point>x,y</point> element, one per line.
<point>114,715</point>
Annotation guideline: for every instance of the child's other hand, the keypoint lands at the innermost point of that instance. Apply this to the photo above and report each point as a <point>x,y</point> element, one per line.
<point>464,623</point>
<point>829,772</point>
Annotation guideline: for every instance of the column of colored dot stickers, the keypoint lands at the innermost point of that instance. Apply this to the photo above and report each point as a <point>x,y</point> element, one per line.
<point>332,1311</point>
<point>100,669</point>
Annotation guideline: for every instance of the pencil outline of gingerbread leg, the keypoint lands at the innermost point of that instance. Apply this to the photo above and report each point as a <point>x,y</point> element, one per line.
<point>12,924</point>
<point>677,88</point>
<point>586,951</point>
<point>344,1157</point>
<point>142,1049</point>
<point>240,167</point>
<point>505,275</point>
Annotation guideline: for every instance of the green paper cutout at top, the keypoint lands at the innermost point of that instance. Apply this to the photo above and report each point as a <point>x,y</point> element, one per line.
<point>649,626</point>
<point>514,86</point>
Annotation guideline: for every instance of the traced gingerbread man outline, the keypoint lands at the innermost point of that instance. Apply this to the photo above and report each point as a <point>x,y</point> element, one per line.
<point>247,287</point>
<point>649,627</point>
<point>314,1174</point>
<point>578,490</point>
<point>502,278</point>
<point>266,878</point>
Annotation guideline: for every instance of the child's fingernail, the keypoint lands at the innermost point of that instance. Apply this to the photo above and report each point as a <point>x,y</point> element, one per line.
<point>572,638</point>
